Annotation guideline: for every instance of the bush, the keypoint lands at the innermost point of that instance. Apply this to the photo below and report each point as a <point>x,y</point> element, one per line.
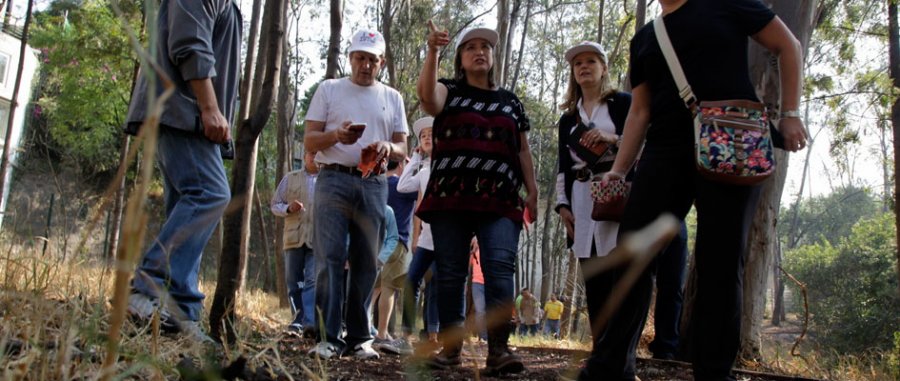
<point>894,362</point>
<point>852,286</point>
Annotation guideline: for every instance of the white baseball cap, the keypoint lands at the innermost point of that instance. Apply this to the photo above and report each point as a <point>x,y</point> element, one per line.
<point>421,124</point>
<point>585,46</point>
<point>369,41</point>
<point>489,35</point>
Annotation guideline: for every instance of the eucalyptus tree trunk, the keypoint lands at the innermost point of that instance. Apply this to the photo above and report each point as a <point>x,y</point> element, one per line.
<point>515,78</point>
<point>600,21</point>
<point>798,15</point>
<point>503,13</point>
<point>386,23</point>
<point>894,63</point>
<point>334,41</point>
<point>284,122</point>
<point>233,260</point>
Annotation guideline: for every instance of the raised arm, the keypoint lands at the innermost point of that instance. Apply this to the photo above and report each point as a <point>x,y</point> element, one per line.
<point>432,94</point>
<point>778,39</point>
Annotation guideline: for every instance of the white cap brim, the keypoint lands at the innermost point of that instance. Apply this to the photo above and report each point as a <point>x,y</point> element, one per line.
<point>489,35</point>
<point>584,48</point>
<point>421,124</point>
<point>372,50</point>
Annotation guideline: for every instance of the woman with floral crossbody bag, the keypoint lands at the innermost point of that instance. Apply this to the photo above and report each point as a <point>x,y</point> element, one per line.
<point>710,38</point>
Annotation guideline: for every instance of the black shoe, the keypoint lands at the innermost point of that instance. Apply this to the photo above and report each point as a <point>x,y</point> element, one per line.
<point>445,359</point>
<point>502,362</point>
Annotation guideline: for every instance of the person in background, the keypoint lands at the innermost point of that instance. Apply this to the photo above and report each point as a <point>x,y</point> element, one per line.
<point>199,50</point>
<point>478,291</point>
<point>293,201</point>
<point>347,117</point>
<point>529,314</point>
<point>392,263</point>
<point>553,310</point>
<point>710,38</point>
<point>414,179</point>
<point>481,161</point>
<point>590,102</point>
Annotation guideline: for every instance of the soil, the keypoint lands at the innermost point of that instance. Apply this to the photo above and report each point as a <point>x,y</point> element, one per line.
<point>541,364</point>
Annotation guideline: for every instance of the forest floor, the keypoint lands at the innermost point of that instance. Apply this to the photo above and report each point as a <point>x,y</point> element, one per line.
<point>542,364</point>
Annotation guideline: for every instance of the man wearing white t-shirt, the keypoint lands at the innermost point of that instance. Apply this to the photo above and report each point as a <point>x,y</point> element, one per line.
<point>345,117</point>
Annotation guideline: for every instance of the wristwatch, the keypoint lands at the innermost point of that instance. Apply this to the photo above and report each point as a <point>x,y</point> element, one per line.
<point>790,114</point>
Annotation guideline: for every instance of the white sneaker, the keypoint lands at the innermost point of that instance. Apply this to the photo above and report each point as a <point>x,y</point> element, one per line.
<point>362,351</point>
<point>192,331</point>
<point>141,306</point>
<point>323,350</point>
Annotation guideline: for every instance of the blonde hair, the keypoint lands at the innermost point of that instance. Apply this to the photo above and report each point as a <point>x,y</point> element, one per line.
<point>574,93</point>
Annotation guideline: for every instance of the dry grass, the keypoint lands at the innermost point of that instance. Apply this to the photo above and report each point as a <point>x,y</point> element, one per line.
<point>54,319</point>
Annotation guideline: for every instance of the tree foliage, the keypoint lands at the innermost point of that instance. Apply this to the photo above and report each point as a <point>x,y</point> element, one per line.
<point>851,285</point>
<point>827,218</point>
<point>88,66</point>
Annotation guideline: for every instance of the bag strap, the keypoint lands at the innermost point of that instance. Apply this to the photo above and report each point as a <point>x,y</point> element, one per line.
<point>684,88</point>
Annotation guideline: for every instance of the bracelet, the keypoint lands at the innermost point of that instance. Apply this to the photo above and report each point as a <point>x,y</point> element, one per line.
<point>790,114</point>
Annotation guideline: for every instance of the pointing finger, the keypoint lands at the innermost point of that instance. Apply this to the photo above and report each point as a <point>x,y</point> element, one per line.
<point>432,26</point>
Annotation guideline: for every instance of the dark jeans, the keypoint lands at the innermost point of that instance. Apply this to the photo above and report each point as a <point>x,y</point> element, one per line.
<point>667,181</point>
<point>498,239</point>
<point>349,227</point>
<point>300,276</point>
<point>422,259</point>
<point>670,275</point>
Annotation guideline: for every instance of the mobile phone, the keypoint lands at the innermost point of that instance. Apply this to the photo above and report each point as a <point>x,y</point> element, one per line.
<point>357,127</point>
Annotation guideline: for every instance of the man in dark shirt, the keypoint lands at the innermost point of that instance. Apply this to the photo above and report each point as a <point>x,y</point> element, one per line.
<point>199,49</point>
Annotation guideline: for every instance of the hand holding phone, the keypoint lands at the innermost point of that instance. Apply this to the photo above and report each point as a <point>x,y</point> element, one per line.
<point>357,127</point>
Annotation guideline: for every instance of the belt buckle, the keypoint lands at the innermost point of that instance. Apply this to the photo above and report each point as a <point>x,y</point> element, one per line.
<point>583,174</point>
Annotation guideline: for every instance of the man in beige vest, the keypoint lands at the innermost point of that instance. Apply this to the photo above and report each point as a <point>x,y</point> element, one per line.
<point>293,201</point>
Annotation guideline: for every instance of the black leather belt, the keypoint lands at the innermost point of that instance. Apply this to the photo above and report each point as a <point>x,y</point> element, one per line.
<point>585,174</point>
<point>343,169</point>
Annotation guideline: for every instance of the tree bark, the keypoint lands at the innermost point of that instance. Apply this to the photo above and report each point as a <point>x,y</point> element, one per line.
<point>334,42</point>
<point>285,148</point>
<point>762,240</point>
<point>500,50</point>
<point>386,24</point>
<point>515,78</point>
<point>252,43</point>
<point>894,63</point>
<point>600,21</point>
<point>14,101</point>
<point>233,259</point>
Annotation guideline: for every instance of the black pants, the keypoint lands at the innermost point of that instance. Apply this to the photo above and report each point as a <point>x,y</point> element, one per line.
<point>667,181</point>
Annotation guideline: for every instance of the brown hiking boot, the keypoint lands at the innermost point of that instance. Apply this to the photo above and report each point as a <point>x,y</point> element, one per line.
<point>447,358</point>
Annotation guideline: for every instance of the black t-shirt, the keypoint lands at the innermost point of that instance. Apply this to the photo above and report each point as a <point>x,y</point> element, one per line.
<point>710,38</point>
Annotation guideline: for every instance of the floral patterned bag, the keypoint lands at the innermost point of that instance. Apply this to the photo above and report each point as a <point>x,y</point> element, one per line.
<point>733,142</point>
<point>732,137</point>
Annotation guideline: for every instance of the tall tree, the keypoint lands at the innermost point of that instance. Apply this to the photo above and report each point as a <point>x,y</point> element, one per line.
<point>232,261</point>
<point>798,15</point>
<point>285,146</point>
<point>334,41</point>
<point>894,62</point>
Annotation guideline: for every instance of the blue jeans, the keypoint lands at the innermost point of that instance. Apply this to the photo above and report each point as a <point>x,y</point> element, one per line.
<point>479,304</point>
<point>422,259</point>
<point>300,276</point>
<point>348,207</point>
<point>196,194</point>
<point>498,239</point>
<point>552,328</point>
